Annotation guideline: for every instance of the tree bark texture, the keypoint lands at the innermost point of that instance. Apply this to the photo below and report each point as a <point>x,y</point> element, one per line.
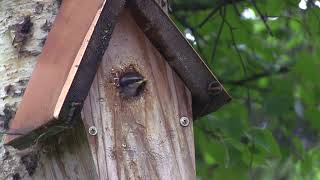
<point>64,156</point>
<point>24,26</point>
<point>138,138</point>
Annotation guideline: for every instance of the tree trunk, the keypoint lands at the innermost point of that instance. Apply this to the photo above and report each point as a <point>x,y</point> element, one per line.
<point>23,31</point>
<point>146,142</point>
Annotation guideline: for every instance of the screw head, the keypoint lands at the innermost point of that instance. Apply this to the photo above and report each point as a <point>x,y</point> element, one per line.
<point>184,121</point>
<point>214,88</point>
<point>93,131</point>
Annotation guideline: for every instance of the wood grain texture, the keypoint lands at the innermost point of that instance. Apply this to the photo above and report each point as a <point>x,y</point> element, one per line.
<point>78,81</point>
<point>54,63</point>
<point>66,157</point>
<point>181,56</point>
<point>16,67</point>
<point>141,137</point>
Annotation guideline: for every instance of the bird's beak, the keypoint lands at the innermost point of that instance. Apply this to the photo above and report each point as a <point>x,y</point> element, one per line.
<point>143,81</point>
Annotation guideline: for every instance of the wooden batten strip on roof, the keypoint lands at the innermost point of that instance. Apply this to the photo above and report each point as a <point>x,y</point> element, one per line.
<point>73,51</point>
<point>180,55</point>
<point>65,69</point>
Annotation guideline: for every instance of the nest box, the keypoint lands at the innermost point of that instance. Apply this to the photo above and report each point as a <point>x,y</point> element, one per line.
<point>132,31</point>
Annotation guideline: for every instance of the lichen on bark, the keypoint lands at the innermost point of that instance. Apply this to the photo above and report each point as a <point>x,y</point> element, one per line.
<point>15,164</point>
<point>22,34</point>
<point>24,26</point>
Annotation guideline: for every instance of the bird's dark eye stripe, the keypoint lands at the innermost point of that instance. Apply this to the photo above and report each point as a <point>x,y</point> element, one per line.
<point>129,78</point>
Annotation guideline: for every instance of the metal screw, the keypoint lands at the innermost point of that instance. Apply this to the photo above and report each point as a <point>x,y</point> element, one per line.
<point>184,121</point>
<point>214,88</point>
<point>93,131</point>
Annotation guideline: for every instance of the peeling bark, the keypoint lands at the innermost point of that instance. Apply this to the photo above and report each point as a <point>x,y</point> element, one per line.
<point>24,26</point>
<point>11,164</point>
<point>65,156</point>
<point>22,34</point>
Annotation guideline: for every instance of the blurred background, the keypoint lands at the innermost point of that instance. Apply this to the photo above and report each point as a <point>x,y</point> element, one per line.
<point>266,53</point>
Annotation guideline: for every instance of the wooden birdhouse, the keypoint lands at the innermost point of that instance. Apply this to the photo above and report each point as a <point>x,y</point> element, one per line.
<point>126,71</point>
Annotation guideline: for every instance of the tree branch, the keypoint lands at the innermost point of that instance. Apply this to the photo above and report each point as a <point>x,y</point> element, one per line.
<point>263,17</point>
<point>254,77</point>
<point>216,41</point>
<point>211,14</point>
<point>186,24</point>
<point>200,6</point>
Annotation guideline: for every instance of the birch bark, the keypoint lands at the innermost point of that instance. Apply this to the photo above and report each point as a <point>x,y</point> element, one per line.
<point>24,25</point>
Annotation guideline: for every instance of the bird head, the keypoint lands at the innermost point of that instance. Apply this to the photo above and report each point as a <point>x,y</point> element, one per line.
<point>131,84</point>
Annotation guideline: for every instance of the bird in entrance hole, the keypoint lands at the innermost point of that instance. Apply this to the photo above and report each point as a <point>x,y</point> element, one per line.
<point>131,84</point>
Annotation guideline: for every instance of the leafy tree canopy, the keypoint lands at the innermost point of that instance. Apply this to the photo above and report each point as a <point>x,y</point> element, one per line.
<point>266,53</point>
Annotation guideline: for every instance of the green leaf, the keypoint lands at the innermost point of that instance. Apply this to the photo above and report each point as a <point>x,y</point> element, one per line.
<point>265,141</point>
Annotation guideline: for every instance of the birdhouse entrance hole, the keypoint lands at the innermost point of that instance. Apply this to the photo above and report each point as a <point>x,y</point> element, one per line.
<point>129,82</point>
<point>81,52</point>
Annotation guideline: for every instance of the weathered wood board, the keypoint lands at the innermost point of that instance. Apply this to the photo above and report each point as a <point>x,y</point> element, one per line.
<point>66,157</point>
<point>61,157</point>
<point>137,138</point>
<point>141,137</point>
<point>52,69</point>
<point>208,95</point>
<point>66,68</point>
<point>75,47</point>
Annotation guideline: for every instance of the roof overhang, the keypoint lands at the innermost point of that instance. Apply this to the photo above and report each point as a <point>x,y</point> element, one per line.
<point>62,78</point>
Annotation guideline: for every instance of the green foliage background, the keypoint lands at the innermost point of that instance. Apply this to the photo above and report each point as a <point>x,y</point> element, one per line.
<point>270,66</point>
